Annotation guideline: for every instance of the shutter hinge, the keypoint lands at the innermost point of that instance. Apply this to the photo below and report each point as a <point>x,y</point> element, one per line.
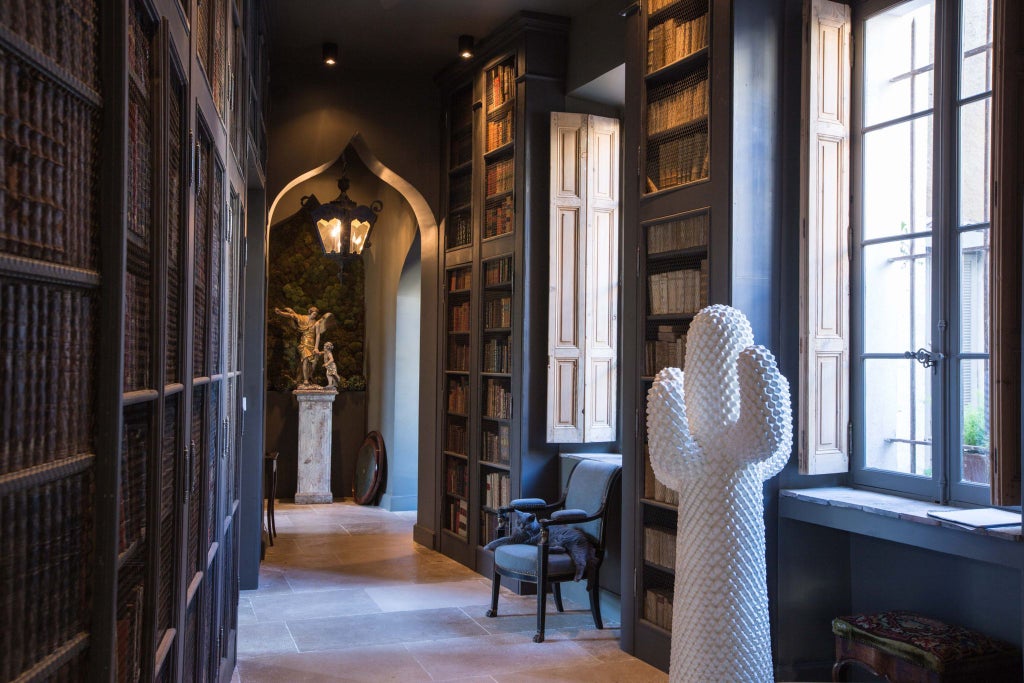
<point>849,243</point>
<point>800,346</point>
<point>995,463</point>
<point>804,227</point>
<point>943,325</point>
<point>637,261</point>
<point>849,438</point>
<point>803,440</point>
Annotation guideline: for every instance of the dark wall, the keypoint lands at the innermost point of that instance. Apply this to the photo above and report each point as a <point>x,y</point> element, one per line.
<point>347,432</point>
<point>314,115</point>
<point>597,42</point>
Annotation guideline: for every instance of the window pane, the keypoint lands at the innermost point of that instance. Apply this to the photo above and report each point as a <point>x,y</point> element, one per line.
<point>975,161</point>
<point>897,296</point>
<point>897,179</point>
<point>976,42</point>
<point>974,291</point>
<point>898,59</point>
<point>974,420</point>
<point>898,416</point>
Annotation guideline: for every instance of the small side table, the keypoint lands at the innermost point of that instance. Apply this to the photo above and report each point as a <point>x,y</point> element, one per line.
<point>270,487</point>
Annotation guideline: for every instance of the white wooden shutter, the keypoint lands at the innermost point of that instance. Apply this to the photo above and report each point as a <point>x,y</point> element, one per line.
<point>602,279</point>
<point>824,244</point>
<point>566,322</point>
<point>583,296</point>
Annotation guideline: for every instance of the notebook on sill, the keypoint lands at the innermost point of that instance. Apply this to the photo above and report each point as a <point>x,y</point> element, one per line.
<point>981,518</point>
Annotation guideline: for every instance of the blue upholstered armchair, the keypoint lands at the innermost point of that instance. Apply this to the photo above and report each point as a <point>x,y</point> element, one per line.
<point>584,506</point>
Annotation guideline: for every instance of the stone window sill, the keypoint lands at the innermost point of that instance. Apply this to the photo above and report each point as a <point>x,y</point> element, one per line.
<point>902,520</point>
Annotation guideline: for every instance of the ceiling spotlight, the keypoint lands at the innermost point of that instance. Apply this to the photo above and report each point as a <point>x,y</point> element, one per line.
<point>465,46</point>
<point>330,54</point>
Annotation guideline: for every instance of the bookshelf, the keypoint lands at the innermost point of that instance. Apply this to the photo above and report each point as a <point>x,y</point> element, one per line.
<point>119,454</point>
<point>705,208</point>
<point>458,400</point>
<point>491,449</point>
<point>678,97</point>
<point>459,231</point>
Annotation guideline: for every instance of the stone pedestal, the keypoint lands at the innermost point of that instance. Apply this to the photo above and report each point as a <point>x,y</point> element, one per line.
<point>314,472</point>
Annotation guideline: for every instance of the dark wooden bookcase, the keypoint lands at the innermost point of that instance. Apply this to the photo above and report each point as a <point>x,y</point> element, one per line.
<point>119,274</point>
<point>495,172</point>
<point>702,225</point>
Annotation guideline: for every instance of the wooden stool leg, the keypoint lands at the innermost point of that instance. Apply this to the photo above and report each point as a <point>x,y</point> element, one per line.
<point>273,497</point>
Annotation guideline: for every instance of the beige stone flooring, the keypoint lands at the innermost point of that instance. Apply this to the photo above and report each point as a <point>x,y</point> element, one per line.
<point>345,595</point>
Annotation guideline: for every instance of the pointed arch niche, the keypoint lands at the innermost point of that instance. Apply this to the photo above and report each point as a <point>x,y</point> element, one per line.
<point>400,295</point>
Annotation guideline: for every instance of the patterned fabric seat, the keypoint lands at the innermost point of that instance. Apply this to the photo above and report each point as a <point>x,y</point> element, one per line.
<point>904,646</point>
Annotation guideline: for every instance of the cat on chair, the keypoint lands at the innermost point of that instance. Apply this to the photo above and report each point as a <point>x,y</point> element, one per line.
<point>525,529</point>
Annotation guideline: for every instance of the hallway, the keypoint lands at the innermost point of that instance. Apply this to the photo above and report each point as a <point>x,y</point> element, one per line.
<point>345,595</point>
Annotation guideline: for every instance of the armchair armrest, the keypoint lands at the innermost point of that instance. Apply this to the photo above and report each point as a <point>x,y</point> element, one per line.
<point>528,504</point>
<point>569,517</point>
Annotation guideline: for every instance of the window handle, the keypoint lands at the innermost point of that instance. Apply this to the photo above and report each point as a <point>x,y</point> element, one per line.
<point>927,358</point>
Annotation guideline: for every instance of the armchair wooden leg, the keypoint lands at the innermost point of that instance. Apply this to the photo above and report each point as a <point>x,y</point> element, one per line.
<point>542,585</point>
<point>556,589</point>
<point>495,588</point>
<point>594,589</point>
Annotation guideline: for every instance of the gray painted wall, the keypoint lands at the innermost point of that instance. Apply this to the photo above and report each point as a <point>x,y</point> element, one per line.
<point>389,385</point>
<point>403,451</point>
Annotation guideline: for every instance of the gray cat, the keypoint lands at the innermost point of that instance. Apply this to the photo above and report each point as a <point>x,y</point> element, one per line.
<point>525,529</point>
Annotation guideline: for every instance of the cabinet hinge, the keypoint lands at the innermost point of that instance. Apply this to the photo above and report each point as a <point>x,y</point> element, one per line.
<point>191,165</point>
<point>188,475</point>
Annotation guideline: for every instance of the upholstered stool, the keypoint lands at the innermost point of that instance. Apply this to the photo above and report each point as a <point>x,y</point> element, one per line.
<point>903,646</point>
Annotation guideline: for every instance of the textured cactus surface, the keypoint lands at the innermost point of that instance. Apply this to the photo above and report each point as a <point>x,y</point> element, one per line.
<point>716,433</point>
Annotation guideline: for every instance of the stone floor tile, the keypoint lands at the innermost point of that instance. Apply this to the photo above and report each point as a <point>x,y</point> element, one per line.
<point>313,605</point>
<point>263,639</point>
<point>626,671</point>
<point>430,595</point>
<point>369,664</point>
<point>492,655</point>
<point>388,627</point>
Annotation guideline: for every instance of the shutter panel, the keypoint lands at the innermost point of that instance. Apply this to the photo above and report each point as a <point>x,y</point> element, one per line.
<point>824,247</point>
<point>567,262</point>
<point>584,295</point>
<point>602,279</point>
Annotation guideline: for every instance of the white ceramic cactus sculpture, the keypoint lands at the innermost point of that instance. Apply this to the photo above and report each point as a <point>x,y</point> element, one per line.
<point>715,434</point>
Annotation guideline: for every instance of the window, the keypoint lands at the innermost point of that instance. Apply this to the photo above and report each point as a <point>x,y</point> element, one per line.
<point>921,176</point>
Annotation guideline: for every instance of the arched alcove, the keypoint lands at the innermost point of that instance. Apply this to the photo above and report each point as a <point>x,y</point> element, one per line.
<point>399,299</point>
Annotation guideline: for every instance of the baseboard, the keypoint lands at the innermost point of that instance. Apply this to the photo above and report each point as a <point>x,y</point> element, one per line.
<point>424,536</point>
<point>394,503</point>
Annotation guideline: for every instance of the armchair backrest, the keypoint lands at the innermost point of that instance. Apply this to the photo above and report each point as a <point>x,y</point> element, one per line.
<point>590,485</point>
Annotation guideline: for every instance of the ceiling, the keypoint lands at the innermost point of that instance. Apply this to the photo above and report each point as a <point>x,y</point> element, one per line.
<point>389,35</point>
